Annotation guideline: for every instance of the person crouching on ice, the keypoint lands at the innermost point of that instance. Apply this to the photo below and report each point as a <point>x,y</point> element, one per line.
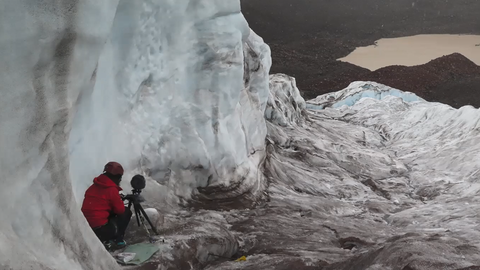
<point>104,209</point>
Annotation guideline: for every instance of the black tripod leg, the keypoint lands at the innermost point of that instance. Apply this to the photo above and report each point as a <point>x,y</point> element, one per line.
<point>148,219</point>
<point>137,214</point>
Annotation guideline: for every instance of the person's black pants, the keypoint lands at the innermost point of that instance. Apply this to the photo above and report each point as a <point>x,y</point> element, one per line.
<point>115,227</point>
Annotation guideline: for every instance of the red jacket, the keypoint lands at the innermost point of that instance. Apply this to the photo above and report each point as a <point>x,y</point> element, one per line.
<point>101,200</point>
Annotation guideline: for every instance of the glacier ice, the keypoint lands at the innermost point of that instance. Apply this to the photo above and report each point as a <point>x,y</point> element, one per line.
<point>170,88</point>
<point>237,162</point>
<point>381,184</point>
<point>357,91</point>
<point>49,53</point>
<point>285,104</point>
<point>156,85</point>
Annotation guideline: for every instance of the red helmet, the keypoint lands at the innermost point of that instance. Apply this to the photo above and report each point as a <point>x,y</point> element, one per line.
<point>113,168</point>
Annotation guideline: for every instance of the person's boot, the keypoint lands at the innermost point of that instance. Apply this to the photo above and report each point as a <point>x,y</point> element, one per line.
<point>117,244</point>
<point>121,243</point>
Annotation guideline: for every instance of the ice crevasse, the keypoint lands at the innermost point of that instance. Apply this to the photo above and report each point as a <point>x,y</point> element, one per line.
<point>175,89</point>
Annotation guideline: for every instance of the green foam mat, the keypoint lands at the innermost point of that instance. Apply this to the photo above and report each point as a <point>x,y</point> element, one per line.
<point>143,252</point>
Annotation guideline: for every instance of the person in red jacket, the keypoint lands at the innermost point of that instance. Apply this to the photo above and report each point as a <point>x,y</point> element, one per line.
<point>104,208</point>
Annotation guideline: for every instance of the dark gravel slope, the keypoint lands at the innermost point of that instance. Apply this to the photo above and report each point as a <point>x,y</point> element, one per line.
<point>307,36</point>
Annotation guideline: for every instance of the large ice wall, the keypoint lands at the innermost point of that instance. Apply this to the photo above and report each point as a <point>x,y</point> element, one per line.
<point>159,85</point>
<point>49,53</point>
<point>170,96</point>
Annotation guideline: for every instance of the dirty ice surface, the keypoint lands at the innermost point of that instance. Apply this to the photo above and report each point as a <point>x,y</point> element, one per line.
<point>380,184</point>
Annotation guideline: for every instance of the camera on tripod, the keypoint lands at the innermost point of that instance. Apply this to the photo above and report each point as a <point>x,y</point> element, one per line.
<point>138,183</point>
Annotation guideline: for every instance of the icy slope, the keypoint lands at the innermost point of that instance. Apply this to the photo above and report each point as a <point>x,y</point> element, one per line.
<point>174,89</point>
<point>382,184</point>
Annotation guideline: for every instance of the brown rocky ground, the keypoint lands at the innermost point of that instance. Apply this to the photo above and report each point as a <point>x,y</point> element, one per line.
<point>451,79</point>
<point>307,36</point>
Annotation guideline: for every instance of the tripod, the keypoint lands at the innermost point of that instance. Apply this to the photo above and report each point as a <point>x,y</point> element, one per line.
<point>134,199</point>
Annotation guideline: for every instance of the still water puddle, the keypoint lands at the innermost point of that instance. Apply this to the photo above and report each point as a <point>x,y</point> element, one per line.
<point>414,50</point>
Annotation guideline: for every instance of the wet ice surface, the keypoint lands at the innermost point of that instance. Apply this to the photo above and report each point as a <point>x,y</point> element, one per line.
<point>378,185</point>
